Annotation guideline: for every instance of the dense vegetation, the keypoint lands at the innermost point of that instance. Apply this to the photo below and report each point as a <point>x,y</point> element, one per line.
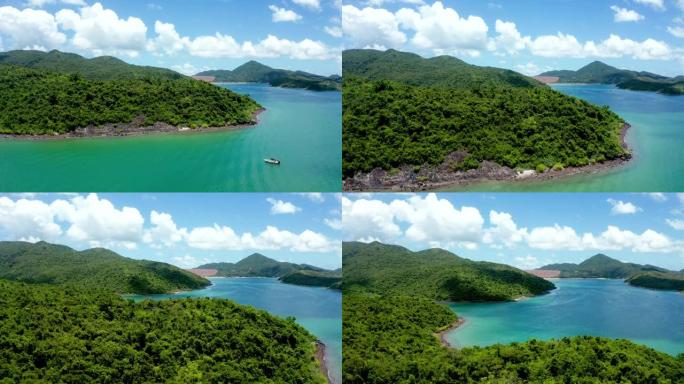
<point>329,279</point>
<point>42,102</point>
<point>391,340</point>
<point>670,281</point>
<point>258,265</point>
<point>254,72</point>
<point>435,274</point>
<point>98,68</point>
<point>92,268</point>
<point>396,116</point>
<point>598,72</point>
<point>601,266</point>
<point>78,335</point>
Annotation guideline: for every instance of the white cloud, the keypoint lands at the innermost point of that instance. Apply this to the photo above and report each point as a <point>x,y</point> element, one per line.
<point>508,38</point>
<point>554,238</point>
<point>334,31</point>
<point>41,3</point>
<point>101,31</point>
<point>625,15</point>
<point>680,4</point>
<point>224,46</point>
<point>371,26</point>
<point>224,238</point>
<point>621,208</point>
<point>279,207</point>
<point>655,4</point>
<point>503,231</point>
<point>29,219</point>
<point>333,223</point>
<point>164,231</point>
<point>658,196</point>
<point>185,68</point>
<point>676,31</point>
<point>30,28</point>
<point>677,224</point>
<point>562,45</point>
<point>368,219</point>
<point>313,4</point>
<point>526,262</point>
<point>283,15</point>
<point>528,69</point>
<point>167,40</point>
<point>316,197</point>
<point>186,261</point>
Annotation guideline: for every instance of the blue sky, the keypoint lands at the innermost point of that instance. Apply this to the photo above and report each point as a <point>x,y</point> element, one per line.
<point>182,35</point>
<point>531,35</point>
<point>527,230</point>
<point>182,229</point>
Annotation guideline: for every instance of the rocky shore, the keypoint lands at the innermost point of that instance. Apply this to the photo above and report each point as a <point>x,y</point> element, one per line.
<point>322,363</point>
<point>134,128</point>
<point>407,178</point>
<point>441,335</point>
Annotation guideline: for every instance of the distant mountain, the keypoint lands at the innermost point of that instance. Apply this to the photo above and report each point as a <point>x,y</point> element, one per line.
<point>98,68</point>
<point>411,69</point>
<point>256,265</point>
<point>670,281</point>
<point>329,279</point>
<point>601,266</point>
<point>95,268</point>
<point>255,72</point>
<point>435,274</point>
<point>598,72</point>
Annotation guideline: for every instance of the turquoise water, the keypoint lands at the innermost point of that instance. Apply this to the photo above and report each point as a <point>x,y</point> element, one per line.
<point>317,309</point>
<point>608,308</point>
<point>656,136</point>
<point>299,127</point>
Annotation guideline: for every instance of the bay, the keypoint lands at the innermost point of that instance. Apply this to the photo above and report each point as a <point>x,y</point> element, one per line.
<point>595,307</point>
<point>301,128</point>
<point>656,137</point>
<point>319,310</point>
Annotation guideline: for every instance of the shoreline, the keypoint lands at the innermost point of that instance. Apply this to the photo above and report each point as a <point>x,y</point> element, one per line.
<point>441,335</point>
<point>132,129</point>
<point>323,361</point>
<point>441,177</point>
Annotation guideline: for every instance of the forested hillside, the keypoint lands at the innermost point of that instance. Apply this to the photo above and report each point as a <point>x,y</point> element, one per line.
<point>435,274</point>
<point>36,101</point>
<point>51,334</point>
<point>255,72</point>
<point>669,281</point>
<point>93,268</point>
<point>98,68</point>
<point>392,340</point>
<point>601,266</point>
<point>256,265</point>
<point>328,279</point>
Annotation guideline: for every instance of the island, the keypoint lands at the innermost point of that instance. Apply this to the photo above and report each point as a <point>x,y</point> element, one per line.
<point>393,326</point>
<point>600,73</point>
<point>411,123</point>
<point>601,266</point>
<point>61,95</point>
<point>66,318</point>
<point>258,265</point>
<point>255,72</point>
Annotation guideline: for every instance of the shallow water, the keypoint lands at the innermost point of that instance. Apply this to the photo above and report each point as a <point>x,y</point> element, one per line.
<point>301,128</point>
<point>595,307</point>
<point>319,310</point>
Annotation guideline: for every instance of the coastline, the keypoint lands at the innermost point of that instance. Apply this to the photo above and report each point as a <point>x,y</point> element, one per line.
<point>323,361</point>
<point>441,335</point>
<point>441,176</point>
<point>132,129</point>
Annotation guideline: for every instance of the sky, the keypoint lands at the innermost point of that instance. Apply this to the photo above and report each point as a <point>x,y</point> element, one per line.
<point>528,36</point>
<point>526,230</point>
<point>187,36</point>
<point>185,230</point>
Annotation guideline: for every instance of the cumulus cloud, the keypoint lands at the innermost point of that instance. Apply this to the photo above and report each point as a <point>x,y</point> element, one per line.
<point>167,41</point>
<point>564,45</point>
<point>29,219</point>
<point>658,196</point>
<point>622,208</point>
<point>279,207</point>
<point>283,15</point>
<point>658,5</point>
<point>313,4</point>
<point>164,231</point>
<point>224,46</point>
<point>30,28</point>
<point>623,15</point>
<point>508,38</point>
<point>316,197</point>
<point>101,31</point>
<point>225,238</point>
<point>677,224</point>
<point>371,26</point>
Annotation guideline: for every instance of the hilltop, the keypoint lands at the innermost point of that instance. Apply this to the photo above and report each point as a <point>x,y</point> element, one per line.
<point>45,263</point>
<point>255,72</point>
<point>601,266</point>
<point>434,273</point>
<point>599,72</point>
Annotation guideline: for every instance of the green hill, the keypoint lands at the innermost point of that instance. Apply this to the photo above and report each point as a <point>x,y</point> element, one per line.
<point>98,68</point>
<point>392,340</point>
<point>256,265</point>
<point>435,274</point>
<point>255,72</point>
<point>37,101</point>
<point>670,281</point>
<point>598,72</point>
<point>400,110</point>
<point>601,266</point>
<point>51,334</point>
<point>328,279</point>
<point>93,268</point>
<point>442,71</point>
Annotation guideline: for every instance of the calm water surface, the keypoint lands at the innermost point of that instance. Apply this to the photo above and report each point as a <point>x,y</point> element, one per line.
<point>317,309</point>
<point>608,308</point>
<point>656,136</point>
<point>299,127</point>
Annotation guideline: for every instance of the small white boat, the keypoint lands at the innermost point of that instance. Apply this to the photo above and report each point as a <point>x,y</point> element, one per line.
<point>272,161</point>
